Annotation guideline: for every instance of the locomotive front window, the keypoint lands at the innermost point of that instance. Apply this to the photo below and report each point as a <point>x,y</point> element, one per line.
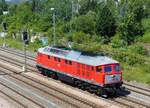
<point>117,68</point>
<point>107,69</point>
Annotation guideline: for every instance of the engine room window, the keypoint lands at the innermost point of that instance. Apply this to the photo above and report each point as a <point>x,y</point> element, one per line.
<point>117,68</point>
<point>68,62</point>
<point>99,69</point>
<point>107,69</point>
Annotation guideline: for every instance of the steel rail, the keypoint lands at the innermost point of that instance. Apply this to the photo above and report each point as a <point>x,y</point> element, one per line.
<point>22,95</point>
<point>93,105</point>
<point>13,99</point>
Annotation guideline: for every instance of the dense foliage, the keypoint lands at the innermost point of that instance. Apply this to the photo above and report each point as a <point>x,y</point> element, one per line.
<point>117,28</point>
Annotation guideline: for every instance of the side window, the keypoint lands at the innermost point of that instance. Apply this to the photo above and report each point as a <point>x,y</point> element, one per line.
<point>66,61</point>
<point>55,58</point>
<point>99,69</point>
<point>92,68</point>
<point>48,56</point>
<point>107,68</point>
<point>70,62</point>
<point>58,59</point>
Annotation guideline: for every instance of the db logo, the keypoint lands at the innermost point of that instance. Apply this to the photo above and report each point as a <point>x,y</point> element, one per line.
<point>113,77</point>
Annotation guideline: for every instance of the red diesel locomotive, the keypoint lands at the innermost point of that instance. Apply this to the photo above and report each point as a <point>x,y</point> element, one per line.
<point>99,74</point>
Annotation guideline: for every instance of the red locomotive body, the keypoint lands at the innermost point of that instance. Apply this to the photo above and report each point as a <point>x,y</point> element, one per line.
<point>100,74</point>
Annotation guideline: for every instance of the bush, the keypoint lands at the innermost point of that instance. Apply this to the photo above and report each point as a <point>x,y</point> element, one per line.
<point>116,42</point>
<point>146,23</point>
<point>138,49</point>
<point>139,73</point>
<point>145,38</point>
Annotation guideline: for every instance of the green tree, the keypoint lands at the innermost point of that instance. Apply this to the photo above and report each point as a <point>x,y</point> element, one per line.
<point>87,5</point>
<point>4,5</point>
<point>85,23</point>
<point>131,25</point>
<point>147,8</point>
<point>106,23</point>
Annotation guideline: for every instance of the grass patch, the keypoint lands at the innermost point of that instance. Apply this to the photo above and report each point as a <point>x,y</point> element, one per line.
<point>145,38</point>
<point>19,44</point>
<point>139,73</point>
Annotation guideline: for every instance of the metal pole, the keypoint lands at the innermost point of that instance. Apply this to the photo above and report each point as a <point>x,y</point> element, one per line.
<point>25,58</point>
<point>72,14</point>
<point>24,68</point>
<point>54,32</point>
<point>72,11</point>
<point>4,41</point>
<point>4,38</point>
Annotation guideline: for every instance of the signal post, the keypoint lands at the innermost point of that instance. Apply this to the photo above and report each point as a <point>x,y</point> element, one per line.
<point>25,39</point>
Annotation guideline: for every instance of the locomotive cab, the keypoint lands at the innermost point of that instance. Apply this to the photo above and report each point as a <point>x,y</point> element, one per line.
<point>112,74</point>
<point>112,78</point>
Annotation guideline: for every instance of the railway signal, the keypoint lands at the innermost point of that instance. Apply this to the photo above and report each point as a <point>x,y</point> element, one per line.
<point>4,26</point>
<point>25,38</point>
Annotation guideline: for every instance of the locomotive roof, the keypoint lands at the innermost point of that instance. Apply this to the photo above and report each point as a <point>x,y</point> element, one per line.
<point>77,56</point>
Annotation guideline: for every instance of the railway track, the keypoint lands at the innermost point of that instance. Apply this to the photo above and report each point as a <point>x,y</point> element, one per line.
<point>18,93</point>
<point>132,87</point>
<point>67,100</point>
<point>17,52</point>
<point>47,90</point>
<point>13,99</point>
<point>123,101</point>
<point>130,102</point>
<point>32,57</point>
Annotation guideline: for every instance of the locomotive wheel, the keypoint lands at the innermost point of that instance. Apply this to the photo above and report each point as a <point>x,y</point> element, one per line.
<point>43,72</point>
<point>114,92</point>
<point>54,76</point>
<point>82,87</point>
<point>46,73</point>
<point>103,93</point>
